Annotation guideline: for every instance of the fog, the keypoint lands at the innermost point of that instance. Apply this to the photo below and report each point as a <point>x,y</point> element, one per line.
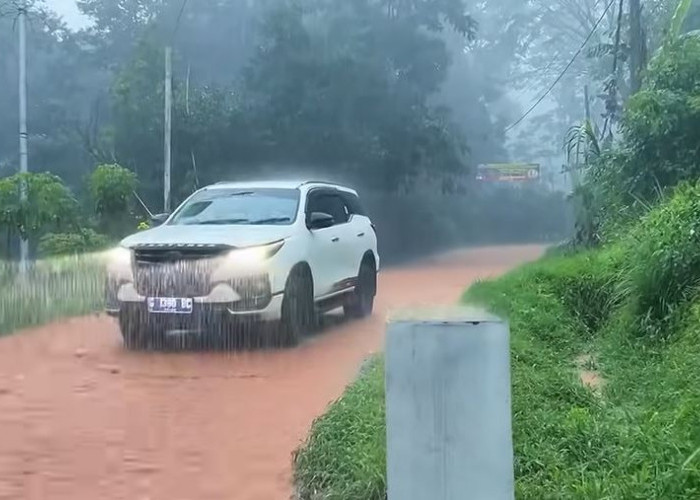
<point>402,100</point>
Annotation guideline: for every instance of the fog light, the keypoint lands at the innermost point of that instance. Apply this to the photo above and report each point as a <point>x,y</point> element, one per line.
<point>255,292</point>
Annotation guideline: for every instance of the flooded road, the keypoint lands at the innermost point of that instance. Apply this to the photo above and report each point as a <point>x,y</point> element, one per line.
<point>81,418</point>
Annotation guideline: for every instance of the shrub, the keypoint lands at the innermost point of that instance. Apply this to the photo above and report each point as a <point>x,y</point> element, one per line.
<point>663,265</point>
<point>87,240</point>
<point>587,284</point>
<point>111,188</point>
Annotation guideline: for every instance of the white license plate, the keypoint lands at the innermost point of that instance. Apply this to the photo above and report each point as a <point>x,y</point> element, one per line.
<point>162,305</point>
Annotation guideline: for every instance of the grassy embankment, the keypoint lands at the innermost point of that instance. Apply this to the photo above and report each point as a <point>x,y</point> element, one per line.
<point>606,375</point>
<point>51,289</point>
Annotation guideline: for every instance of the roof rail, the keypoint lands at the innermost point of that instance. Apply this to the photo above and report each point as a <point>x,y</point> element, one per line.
<point>327,183</point>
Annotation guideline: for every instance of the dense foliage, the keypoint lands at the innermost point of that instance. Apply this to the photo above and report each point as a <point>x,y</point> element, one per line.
<point>619,181</point>
<point>62,244</point>
<point>662,125</point>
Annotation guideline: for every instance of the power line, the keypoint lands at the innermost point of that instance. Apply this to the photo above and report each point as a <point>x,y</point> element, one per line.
<point>179,17</point>
<point>561,75</point>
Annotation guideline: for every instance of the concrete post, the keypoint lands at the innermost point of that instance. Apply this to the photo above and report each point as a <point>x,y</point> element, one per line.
<point>448,407</point>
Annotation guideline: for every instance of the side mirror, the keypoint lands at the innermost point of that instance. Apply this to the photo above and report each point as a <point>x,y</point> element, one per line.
<point>319,220</point>
<point>159,219</point>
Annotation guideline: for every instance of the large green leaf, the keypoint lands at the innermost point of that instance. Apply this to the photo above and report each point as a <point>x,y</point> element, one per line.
<point>679,18</point>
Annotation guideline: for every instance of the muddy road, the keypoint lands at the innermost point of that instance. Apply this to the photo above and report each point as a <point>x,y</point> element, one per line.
<point>82,419</point>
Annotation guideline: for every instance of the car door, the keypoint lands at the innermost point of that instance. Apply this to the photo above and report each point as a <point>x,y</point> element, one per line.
<point>325,244</point>
<point>360,233</point>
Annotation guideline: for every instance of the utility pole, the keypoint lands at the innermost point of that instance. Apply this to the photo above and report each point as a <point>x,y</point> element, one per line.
<point>23,154</point>
<point>637,46</point>
<point>167,153</point>
<point>168,124</point>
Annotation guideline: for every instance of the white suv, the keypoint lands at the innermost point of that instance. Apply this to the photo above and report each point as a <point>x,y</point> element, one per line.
<point>280,252</point>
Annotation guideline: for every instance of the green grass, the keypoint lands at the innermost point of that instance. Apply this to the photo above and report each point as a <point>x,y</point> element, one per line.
<point>635,437</point>
<point>345,456</point>
<point>51,289</point>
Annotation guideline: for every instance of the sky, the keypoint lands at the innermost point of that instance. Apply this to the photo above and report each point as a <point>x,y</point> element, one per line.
<point>68,9</point>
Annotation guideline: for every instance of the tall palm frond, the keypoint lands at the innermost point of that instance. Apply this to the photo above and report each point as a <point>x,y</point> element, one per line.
<point>582,144</point>
<point>679,17</point>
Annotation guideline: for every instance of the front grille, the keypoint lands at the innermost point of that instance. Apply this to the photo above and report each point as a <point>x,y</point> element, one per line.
<point>175,271</point>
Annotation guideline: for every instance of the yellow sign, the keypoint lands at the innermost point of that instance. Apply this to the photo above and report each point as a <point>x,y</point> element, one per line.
<point>508,172</point>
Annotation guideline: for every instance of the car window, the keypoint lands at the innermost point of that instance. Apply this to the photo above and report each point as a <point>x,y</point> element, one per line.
<point>239,207</point>
<point>353,204</point>
<point>331,204</point>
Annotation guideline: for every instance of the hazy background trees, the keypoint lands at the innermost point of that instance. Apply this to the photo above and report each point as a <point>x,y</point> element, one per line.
<point>394,95</point>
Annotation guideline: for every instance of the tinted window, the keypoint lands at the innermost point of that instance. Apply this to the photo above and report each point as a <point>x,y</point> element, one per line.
<point>239,207</point>
<point>329,203</point>
<point>353,204</point>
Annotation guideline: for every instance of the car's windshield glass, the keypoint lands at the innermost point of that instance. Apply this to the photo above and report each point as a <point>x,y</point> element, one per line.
<point>259,207</point>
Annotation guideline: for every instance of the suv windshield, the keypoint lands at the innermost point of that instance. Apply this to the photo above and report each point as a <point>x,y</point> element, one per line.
<point>239,207</point>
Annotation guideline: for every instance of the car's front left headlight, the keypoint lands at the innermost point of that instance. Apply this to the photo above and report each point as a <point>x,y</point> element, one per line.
<point>119,256</point>
<point>118,262</point>
<point>254,255</point>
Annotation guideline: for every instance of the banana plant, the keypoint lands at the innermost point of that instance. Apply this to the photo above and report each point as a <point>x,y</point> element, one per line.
<point>678,19</point>
<point>583,147</point>
<point>582,144</point>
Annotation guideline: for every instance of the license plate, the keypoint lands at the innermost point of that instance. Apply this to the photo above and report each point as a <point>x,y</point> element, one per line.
<point>160,305</point>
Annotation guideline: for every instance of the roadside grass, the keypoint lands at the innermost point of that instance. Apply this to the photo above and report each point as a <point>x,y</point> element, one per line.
<point>345,456</point>
<point>617,311</point>
<point>51,289</point>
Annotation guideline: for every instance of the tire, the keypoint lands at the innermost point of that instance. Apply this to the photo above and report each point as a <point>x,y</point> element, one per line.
<point>360,304</point>
<point>298,310</point>
<point>133,330</point>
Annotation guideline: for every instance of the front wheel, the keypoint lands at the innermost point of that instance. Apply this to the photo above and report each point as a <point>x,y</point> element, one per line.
<point>133,330</point>
<point>361,303</point>
<point>298,311</point>
<point>138,332</point>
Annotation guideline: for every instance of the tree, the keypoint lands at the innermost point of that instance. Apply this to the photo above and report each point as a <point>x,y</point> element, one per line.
<point>112,190</point>
<point>347,85</point>
<point>48,206</point>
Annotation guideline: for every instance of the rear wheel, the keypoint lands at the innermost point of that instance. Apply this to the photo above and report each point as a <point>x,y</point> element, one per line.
<point>298,311</point>
<point>360,304</point>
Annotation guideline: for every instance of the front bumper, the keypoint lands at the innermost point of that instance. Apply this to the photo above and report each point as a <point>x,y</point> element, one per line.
<point>222,303</point>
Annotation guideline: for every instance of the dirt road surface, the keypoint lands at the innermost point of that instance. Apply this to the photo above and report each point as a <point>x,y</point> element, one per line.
<point>82,419</point>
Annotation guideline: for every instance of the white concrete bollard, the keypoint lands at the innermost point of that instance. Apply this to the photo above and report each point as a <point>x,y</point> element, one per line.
<point>448,407</point>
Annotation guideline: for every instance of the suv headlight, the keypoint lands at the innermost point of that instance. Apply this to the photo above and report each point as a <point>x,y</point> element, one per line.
<point>118,261</point>
<point>120,256</point>
<point>254,255</point>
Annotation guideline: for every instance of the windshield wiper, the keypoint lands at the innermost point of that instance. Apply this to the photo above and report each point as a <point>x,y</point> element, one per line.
<point>241,193</point>
<point>271,220</point>
<point>216,222</point>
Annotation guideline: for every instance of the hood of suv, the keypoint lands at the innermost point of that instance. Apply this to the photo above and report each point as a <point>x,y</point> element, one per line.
<point>235,236</point>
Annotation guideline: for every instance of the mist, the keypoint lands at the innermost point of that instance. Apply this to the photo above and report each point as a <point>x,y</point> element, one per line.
<point>403,111</point>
